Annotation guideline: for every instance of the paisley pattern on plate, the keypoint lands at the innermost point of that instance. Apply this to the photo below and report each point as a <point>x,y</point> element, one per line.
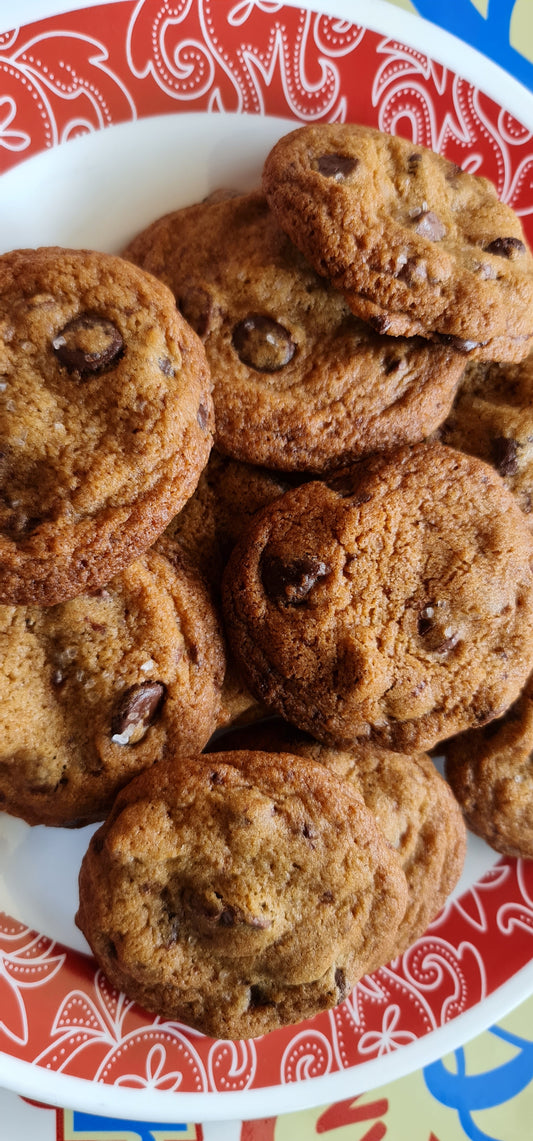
<point>249,57</point>
<point>59,1011</point>
<point>59,80</point>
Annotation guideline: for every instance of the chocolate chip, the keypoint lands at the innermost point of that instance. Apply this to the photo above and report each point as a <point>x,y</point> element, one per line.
<point>290,583</point>
<point>429,226</point>
<point>413,272</point>
<point>336,166</point>
<point>166,366</point>
<point>506,247</point>
<point>341,984</point>
<point>213,911</point>
<point>504,454</point>
<point>462,346</point>
<point>413,162</point>
<point>88,345</point>
<point>262,343</point>
<point>197,306</point>
<point>379,323</point>
<point>391,364</point>
<point>309,835</point>
<point>434,628</point>
<point>202,417</point>
<point>135,711</point>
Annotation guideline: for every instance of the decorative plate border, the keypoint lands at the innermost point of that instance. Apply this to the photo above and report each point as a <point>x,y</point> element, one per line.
<point>60,80</point>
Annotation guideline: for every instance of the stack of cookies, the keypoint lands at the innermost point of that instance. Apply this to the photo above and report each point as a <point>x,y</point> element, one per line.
<point>353,559</point>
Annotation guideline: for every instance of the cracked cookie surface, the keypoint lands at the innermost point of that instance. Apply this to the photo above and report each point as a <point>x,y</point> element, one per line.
<point>395,604</point>
<point>412,804</point>
<point>94,689</point>
<point>299,382</point>
<point>239,896</point>
<point>415,244</point>
<point>105,417</point>
<point>492,417</point>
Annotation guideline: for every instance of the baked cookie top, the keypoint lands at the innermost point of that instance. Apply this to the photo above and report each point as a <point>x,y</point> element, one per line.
<point>491,773</point>
<point>395,604</point>
<point>412,804</point>
<point>415,244</point>
<point>95,689</point>
<point>227,497</point>
<point>492,417</point>
<point>236,895</point>
<point>105,416</point>
<point>299,382</point>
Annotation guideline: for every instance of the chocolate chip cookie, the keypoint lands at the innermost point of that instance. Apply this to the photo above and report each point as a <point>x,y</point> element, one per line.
<point>238,896</point>
<point>415,244</point>
<point>395,604</point>
<point>94,689</point>
<point>492,418</point>
<point>413,806</point>
<point>228,495</point>
<point>491,773</point>
<point>299,382</point>
<point>105,418</point>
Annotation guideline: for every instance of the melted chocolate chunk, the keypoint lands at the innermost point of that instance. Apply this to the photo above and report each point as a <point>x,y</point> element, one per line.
<point>504,454</point>
<point>336,166</point>
<point>429,226</point>
<point>262,343</point>
<point>506,247</point>
<point>88,345</point>
<point>290,583</point>
<point>135,711</point>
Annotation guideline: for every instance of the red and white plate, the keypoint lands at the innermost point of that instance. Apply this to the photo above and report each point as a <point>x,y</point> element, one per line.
<point>111,115</point>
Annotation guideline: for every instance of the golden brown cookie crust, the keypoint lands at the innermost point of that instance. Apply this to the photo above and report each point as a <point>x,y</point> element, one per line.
<point>415,244</point>
<point>412,804</point>
<point>299,382</point>
<point>491,773</point>
<point>95,689</point>
<point>228,495</point>
<point>238,896</point>
<point>394,605</point>
<point>492,417</point>
<point>105,415</point>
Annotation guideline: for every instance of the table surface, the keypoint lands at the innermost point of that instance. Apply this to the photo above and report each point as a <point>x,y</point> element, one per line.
<point>481,1092</point>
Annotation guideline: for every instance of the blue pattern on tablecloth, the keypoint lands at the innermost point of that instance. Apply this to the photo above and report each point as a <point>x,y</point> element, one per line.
<point>490,34</point>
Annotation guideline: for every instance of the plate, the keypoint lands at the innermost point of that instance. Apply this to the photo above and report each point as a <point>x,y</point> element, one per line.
<point>192,94</point>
